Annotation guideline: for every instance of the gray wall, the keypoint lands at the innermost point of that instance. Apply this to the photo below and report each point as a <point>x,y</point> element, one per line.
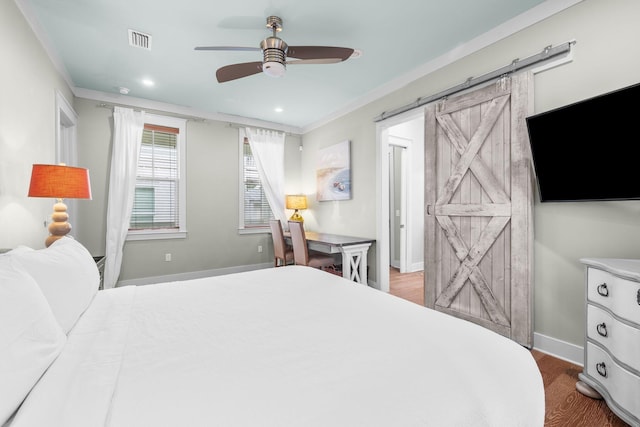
<point>213,241</point>
<point>606,57</point>
<point>27,127</point>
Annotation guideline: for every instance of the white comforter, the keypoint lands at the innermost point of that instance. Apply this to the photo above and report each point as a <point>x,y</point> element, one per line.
<point>289,346</point>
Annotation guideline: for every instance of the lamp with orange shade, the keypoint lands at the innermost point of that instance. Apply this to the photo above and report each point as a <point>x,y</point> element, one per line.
<point>59,182</point>
<point>296,201</point>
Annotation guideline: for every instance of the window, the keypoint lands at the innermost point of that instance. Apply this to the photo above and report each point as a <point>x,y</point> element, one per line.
<point>255,212</point>
<point>159,202</point>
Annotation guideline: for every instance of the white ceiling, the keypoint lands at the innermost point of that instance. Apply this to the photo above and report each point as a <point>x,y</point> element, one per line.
<point>88,41</point>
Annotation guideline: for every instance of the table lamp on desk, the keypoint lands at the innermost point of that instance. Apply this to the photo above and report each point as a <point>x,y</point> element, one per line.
<point>296,202</point>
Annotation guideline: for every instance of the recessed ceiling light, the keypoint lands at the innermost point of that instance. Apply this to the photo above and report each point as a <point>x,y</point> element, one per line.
<point>123,90</point>
<point>279,110</point>
<point>148,82</point>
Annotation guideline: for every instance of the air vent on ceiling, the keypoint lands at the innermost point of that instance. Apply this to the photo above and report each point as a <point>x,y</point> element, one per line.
<point>138,39</point>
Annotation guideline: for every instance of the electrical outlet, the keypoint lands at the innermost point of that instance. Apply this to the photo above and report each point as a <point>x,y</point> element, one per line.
<point>259,248</point>
<point>167,257</point>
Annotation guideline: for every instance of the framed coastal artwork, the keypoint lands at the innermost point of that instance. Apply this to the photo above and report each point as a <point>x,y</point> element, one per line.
<point>333,172</point>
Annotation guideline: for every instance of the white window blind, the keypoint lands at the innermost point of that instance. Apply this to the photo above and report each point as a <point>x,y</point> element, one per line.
<point>257,211</point>
<point>156,203</point>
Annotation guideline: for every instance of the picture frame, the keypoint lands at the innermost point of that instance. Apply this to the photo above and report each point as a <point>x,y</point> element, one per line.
<point>333,172</point>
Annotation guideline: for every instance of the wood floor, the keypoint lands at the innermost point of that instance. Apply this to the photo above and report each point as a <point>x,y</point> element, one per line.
<point>565,406</point>
<point>409,286</point>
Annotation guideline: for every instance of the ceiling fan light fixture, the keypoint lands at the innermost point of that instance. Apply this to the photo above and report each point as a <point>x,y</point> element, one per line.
<point>275,54</point>
<point>274,69</point>
<point>274,57</point>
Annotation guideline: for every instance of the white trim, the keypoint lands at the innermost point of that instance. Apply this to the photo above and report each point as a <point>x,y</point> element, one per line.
<point>254,230</point>
<point>382,189</point>
<point>66,139</point>
<point>66,144</point>
<point>558,348</point>
<point>155,235</point>
<point>416,266</point>
<point>242,134</point>
<point>187,112</point>
<point>406,252</point>
<point>558,62</point>
<point>192,275</point>
<point>181,232</point>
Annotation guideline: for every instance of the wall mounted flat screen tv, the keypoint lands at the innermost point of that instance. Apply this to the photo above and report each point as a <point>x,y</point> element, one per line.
<point>589,150</point>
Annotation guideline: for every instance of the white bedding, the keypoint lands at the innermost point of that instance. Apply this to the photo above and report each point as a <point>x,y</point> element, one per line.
<point>289,346</point>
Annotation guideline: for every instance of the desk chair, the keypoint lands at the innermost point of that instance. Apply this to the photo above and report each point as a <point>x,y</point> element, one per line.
<point>283,253</point>
<point>301,253</point>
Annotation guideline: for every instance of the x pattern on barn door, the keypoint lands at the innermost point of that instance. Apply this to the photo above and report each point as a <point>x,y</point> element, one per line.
<point>495,276</point>
<point>499,210</point>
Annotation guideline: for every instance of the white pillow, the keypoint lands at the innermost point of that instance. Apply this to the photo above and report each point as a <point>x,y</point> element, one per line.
<point>67,275</point>
<point>16,250</point>
<point>30,336</point>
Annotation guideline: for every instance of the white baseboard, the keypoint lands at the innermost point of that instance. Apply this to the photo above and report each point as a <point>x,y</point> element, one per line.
<point>192,275</point>
<point>416,266</point>
<point>560,349</point>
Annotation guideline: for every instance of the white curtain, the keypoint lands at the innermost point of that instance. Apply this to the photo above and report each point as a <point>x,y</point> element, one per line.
<point>267,148</point>
<point>127,138</point>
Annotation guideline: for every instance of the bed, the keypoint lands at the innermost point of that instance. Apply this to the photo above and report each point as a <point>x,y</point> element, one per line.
<point>288,346</point>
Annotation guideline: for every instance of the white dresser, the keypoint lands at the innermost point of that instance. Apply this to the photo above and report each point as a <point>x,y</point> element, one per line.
<point>612,338</point>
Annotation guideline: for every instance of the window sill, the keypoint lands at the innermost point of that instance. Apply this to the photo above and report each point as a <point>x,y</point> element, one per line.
<point>156,235</point>
<point>254,230</point>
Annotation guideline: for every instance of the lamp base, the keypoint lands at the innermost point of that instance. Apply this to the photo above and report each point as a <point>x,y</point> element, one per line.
<point>296,217</point>
<point>59,227</point>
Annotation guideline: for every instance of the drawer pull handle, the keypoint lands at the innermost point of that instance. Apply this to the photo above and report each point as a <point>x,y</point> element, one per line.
<point>602,369</point>
<point>602,329</point>
<point>603,290</point>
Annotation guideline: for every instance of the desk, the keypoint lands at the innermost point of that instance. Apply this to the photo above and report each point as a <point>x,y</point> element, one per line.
<point>353,249</point>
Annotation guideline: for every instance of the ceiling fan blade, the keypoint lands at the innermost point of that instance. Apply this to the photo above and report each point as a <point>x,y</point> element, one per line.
<point>319,52</point>
<point>314,61</point>
<point>238,48</point>
<point>236,71</point>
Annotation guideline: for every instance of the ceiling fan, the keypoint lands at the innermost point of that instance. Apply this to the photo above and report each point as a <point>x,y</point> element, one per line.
<point>275,55</point>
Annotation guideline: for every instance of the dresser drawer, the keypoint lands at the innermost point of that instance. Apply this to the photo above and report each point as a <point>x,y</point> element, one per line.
<point>622,385</point>
<point>619,295</point>
<point>622,340</point>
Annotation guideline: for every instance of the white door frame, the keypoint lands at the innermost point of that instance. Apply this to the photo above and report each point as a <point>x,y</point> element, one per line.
<point>66,145</point>
<point>405,227</point>
<point>382,187</point>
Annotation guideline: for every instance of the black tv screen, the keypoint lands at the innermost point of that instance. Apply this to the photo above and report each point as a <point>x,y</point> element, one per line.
<point>589,150</point>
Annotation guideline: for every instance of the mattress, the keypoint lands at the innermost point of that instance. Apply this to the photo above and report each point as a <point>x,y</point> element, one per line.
<point>289,346</point>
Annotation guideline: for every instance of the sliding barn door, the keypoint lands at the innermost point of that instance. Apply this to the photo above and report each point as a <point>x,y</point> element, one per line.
<point>478,208</point>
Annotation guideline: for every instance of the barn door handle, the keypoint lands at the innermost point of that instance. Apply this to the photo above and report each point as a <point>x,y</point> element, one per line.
<point>602,369</point>
<point>602,329</point>
<point>603,290</point>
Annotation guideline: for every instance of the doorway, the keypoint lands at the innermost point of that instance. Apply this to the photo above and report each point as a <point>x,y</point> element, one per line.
<point>398,169</point>
<point>400,247</point>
